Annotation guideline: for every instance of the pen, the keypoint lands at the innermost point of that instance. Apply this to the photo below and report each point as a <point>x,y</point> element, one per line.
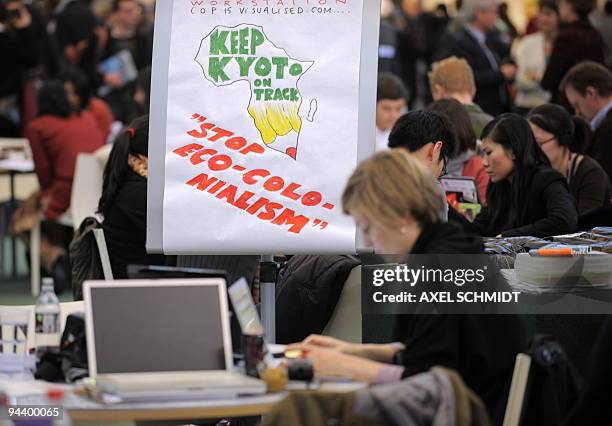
<point>561,251</point>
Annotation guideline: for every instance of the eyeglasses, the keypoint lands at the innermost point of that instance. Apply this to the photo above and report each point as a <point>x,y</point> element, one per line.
<point>444,168</point>
<point>542,143</point>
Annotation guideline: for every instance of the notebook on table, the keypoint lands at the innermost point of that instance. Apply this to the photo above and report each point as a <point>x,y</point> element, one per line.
<point>161,340</point>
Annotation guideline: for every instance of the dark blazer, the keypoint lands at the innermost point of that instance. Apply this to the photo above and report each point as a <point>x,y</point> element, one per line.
<point>590,186</point>
<point>601,145</point>
<point>546,209</point>
<point>125,227</point>
<point>491,92</point>
<point>577,41</point>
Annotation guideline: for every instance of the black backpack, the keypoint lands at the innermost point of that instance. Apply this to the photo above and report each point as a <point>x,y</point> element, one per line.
<point>84,256</point>
<point>554,383</point>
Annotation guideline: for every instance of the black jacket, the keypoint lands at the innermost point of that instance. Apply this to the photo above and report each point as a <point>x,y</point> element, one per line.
<point>125,227</point>
<point>491,91</point>
<point>307,292</point>
<point>482,348</point>
<point>601,145</point>
<point>546,209</point>
<point>577,41</point>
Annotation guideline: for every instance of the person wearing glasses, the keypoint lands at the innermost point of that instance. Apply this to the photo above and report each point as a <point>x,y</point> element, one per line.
<point>563,139</point>
<point>431,138</point>
<point>526,197</point>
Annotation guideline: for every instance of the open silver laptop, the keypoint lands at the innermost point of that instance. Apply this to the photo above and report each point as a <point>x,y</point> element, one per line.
<point>169,339</point>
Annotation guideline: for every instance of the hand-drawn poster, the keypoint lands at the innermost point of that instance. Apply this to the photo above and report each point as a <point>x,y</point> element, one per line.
<point>262,120</point>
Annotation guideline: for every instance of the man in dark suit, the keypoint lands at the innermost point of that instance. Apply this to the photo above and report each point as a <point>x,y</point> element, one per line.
<point>471,42</point>
<point>588,88</point>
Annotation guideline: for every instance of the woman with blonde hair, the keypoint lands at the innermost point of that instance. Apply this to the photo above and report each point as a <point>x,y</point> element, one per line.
<point>395,203</point>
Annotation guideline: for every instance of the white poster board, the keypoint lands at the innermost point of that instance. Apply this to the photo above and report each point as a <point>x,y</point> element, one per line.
<point>257,122</point>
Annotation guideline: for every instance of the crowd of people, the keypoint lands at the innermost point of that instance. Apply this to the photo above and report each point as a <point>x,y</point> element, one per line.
<point>527,116</point>
<point>61,87</point>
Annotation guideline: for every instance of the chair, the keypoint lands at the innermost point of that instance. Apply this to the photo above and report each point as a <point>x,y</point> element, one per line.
<point>346,321</point>
<point>86,192</point>
<point>103,252</point>
<point>86,188</point>
<point>20,311</point>
<point>518,389</point>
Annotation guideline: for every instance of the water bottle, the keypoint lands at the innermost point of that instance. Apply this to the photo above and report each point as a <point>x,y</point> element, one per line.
<point>47,319</point>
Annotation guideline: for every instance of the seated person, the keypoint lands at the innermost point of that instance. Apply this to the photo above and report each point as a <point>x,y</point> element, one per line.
<point>56,138</point>
<point>563,139</point>
<point>395,203</point>
<point>431,138</point>
<point>123,203</point>
<point>526,197</point>
<point>81,98</point>
<point>391,97</point>
<point>466,162</point>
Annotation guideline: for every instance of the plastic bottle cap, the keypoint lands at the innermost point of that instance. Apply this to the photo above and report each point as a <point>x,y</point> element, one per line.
<point>55,394</point>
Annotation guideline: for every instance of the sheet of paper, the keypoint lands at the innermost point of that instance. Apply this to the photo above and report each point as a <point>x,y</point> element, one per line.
<point>262,125</point>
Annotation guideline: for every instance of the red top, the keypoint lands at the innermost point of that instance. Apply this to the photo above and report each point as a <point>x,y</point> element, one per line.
<point>103,115</point>
<point>55,144</point>
<point>475,168</point>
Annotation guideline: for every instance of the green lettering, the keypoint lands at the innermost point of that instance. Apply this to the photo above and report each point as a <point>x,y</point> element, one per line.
<point>257,39</point>
<point>263,67</point>
<point>278,95</point>
<point>258,94</point>
<point>268,94</point>
<point>281,64</point>
<point>295,70</point>
<point>244,41</point>
<point>295,95</point>
<point>217,43</point>
<point>216,68</point>
<point>286,94</point>
<point>234,43</point>
<point>245,65</point>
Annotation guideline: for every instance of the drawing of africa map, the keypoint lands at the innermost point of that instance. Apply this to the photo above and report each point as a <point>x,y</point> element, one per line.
<point>244,53</point>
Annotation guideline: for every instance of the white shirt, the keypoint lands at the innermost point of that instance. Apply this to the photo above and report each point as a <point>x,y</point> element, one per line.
<point>601,115</point>
<point>382,139</point>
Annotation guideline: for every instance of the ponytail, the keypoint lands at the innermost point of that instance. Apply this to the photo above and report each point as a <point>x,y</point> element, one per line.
<point>115,172</point>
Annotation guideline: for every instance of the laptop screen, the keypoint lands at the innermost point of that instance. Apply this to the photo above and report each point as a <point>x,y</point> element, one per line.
<point>145,329</point>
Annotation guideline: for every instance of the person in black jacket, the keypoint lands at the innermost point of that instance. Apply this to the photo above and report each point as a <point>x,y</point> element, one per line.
<point>395,203</point>
<point>525,196</point>
<point>472,42</point>
<point>563,140</point>
<point>123,203</point>
<point>577,41</point>
<point>588,87</point>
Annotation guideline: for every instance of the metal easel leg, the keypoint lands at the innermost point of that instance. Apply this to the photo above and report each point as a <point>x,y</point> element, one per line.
<point>267,291</point>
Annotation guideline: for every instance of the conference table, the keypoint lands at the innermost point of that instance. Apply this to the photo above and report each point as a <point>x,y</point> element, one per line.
<point>82,409</point>
<point>13,165</point>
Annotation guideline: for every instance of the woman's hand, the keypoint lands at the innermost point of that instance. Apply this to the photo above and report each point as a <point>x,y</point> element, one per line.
<point>327,342</point>
<point>333,363</point>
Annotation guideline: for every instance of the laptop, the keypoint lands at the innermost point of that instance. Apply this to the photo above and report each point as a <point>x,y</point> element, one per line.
<point>161,340</point>
<point>464,187</point>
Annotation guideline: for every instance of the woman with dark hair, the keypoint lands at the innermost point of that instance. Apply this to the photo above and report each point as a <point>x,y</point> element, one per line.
<point>563,138</point>
<point>576,42</point>
<point>525,196</point>
<point>466,162</point>
<point>123,203</point>
<point>80,95</point>
<point>56,138</point>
